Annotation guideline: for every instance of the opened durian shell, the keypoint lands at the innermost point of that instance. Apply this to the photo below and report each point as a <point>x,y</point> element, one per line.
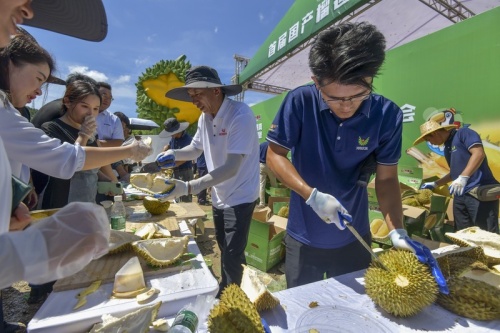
<point>256,290</point>
<point>137,321</point>
<point>155,206</point>
<point>153,230</point>
<point>120,241</point>
<point>474,236</point>
<point>161,252</point>
<point>150,183</point>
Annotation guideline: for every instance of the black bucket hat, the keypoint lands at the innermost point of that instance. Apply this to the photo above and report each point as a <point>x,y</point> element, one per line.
<point>201,77</point>
<point>172,126</point>
<point>84,19</point>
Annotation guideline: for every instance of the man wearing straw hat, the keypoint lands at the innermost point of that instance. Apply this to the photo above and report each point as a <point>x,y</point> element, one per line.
<point>227,135</point>
<point>464,153</point>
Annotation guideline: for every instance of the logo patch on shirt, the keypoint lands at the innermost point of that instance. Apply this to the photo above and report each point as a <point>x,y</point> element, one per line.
<point>223,132</point>
<point>362,143</point>
<point>273,127</point>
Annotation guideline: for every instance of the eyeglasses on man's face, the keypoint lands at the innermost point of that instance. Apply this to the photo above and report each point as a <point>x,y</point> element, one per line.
<point>107,96</point>
<point>350,100</point>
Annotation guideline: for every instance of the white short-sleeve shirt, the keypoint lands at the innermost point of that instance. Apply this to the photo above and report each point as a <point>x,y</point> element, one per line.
<point>232,131</point>
<point>109,126</point>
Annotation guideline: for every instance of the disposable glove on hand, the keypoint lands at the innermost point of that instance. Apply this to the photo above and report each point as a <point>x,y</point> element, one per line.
<point>88,127</point>
<point>72,237</point>
<point>400,240</point>
<point>428,186</point>
<point>328,208</point>
<point>140,150</point>
<point>180,189</point>
<point>166,159</point>
<point>458,185</point>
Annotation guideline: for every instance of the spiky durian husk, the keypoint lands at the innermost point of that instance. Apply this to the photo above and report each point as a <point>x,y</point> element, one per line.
<point>453,262</point>
<point>405,289</point>
<point>424,196</point>
<point>161,252</point>
<point>234,313</point>
<point>283,212</point>
<point>155,206</point>
<point>120,241</point>
<point>471,298</point>
<point>474,236</point>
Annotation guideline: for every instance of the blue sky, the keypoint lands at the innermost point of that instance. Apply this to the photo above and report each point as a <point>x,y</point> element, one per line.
<point>143,32</point>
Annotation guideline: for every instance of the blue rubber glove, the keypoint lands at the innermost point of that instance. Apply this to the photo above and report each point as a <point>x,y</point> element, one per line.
<point>267,329</point>
<point>180,188</point>
<point>166,159</point>
<point>428,186</point>
<point>458,185</point>
<point>328,208</point>
<point>400,240</point>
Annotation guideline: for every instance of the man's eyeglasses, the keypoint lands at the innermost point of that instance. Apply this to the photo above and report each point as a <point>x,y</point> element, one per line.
<point>353,99</point>
<point>106,95</point>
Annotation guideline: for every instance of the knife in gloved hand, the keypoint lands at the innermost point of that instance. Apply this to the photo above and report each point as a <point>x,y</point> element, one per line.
<point>362,241</point>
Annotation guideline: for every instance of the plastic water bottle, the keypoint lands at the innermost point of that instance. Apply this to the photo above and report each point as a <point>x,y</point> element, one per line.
<point>118,214</point>
<point>188,318</point>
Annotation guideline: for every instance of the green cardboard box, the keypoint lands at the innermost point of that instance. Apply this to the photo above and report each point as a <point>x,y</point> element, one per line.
<point>275,203</point>
<point>278,192</point>
<point>410,176</point>
<point>265,246</point>
<point>413,220</point>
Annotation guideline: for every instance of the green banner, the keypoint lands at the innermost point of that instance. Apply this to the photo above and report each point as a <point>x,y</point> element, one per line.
<point>302,21</point>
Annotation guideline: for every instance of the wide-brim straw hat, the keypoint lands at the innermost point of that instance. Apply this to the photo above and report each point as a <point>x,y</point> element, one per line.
<point>84,19</point>
<point>429,127</point>
<point>172,126</point>
<point>201,77</point>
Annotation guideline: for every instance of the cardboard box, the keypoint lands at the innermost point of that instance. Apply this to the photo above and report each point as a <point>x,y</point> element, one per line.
<point>439,203</point>
<point>410,177</point>
<point>278,192</point>
<point>413,220</point>
<point>265,246</point>
<point>275,203</point>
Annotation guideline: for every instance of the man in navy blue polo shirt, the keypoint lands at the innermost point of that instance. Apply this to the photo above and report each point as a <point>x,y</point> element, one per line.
<point>464,153</point>
<point>331,127</point>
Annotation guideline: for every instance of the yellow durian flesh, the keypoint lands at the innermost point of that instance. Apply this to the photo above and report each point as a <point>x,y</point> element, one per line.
<point>150,183</point>
<point>404,290</point>
<point>474,236</point>
<point>119,241</point>
<point>161,252</point>
<point>379,228</point>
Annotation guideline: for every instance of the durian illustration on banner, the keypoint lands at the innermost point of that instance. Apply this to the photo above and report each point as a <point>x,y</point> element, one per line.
<point>152,86</point>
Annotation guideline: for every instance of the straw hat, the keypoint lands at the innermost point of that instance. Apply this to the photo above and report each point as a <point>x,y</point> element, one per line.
<point>429,127</point>
<point>202,77</point>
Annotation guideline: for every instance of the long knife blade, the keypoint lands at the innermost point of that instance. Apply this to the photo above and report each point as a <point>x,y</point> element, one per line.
<point>367,247</point>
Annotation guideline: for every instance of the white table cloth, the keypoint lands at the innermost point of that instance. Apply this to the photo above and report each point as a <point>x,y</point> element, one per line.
<point>176,291</point>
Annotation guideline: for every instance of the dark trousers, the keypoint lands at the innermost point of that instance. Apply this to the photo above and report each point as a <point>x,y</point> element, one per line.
<point>231,231</point>
<point>305,264</point>
<point>470,212</point>
<point>202,196</point>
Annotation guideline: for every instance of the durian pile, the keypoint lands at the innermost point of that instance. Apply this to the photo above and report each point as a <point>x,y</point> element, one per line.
<point>283,212</point>
<point>416,198</point>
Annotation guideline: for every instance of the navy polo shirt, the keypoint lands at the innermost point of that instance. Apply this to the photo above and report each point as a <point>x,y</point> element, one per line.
<point>456,152</point>
<point>263,151</point>
<point>328,154</point>
<point>179,143</point>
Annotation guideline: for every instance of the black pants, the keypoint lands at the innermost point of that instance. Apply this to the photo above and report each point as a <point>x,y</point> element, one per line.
<point>306,264</point>
<point>470,212</point>
<point>231,231</point>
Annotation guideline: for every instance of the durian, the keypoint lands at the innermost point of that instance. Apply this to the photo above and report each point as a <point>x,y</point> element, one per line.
<point>256,290</point>
<point>424,196</point>
<point>234,313</point>
<point>155,206</point>
<point>455,261</point>
<point>119,241</point>
<point>283,212</point>
<point>153,230</point>
<point>379,229</point>
<point>160,325</point>
<point>471,298</point>
<point>129,280</point>
<point>161,252</point>
<point>137,321</point>
<point>41,214</point>
<point>474,236</point>
<point>405,289</point>
<point>150,183</point>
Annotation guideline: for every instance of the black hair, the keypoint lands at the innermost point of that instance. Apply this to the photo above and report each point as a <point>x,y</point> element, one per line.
<point>347,54</point>
<point>123,117</point>
<point>79,77</point>
<point>104,85</point>
<point>78,90</point>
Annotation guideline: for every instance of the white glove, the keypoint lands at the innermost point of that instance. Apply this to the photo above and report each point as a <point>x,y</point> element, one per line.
<point>67,242</point>
<point>428,186</point>
<point>398,239</point>
<point>88,127</point>
<point>328,208</point>
<point>140,150</point>
<point>458,185</point>
<point>180,189</point>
